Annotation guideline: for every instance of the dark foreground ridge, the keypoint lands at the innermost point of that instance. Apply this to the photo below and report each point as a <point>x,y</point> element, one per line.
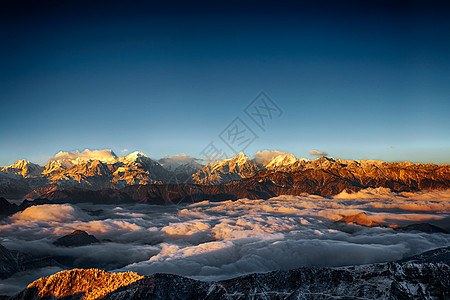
<point>426,276</point>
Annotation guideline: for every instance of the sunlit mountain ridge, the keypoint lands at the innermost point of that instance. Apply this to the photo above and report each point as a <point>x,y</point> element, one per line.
<point>102,169</point>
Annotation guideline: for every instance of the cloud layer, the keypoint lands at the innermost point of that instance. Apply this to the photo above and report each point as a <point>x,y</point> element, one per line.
<point>217,240</point>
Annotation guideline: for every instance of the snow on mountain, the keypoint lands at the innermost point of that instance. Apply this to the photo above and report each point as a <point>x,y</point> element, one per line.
<point>264,157</point>
<point>136,156</point>
<point>89,169</point>
<point>58,166</point>
<point>66,160</point>
<point>226,170</point>
<point>23,168</point>
<point>137,168</point>
<point>279,161</point>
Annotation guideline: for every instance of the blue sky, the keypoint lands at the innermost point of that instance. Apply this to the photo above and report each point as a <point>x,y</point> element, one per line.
<point>354,80</point>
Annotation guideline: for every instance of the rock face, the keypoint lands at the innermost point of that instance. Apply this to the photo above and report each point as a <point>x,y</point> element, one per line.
<point>359,219</point>
<point>76,239</point>
<point>414,279</point>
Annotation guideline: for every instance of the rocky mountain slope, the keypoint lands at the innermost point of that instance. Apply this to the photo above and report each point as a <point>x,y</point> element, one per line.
<point>23,168</point>
<point>78,284</point>
<point>236,177</point>
<point>412,279</point>
<point>12,261</point>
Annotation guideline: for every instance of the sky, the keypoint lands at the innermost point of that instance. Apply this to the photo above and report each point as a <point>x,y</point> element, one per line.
<point>355,80</point>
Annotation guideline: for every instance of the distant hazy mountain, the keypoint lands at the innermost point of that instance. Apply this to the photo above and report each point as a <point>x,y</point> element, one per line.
<point>181,167</point>
<point>278,174</point>
<point>424,276</point>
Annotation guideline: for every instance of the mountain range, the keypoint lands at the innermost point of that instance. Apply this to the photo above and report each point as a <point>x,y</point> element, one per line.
<point>234,177</point>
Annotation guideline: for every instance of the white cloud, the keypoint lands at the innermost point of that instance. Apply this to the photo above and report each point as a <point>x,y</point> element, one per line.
<point>185,229</point>
<point>263,156</point>
<point>50,213</point>
<point>315,152</point>
<point>107,156</point>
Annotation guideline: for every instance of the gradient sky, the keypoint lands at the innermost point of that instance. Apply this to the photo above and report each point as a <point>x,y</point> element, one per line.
<point>358,81</point>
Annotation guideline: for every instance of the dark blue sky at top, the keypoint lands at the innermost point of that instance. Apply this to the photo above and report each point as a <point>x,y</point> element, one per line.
<point>356,80</point>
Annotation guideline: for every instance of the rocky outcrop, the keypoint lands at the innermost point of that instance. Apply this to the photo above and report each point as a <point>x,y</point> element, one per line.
<point>78,284</point>
<point>76,239</point>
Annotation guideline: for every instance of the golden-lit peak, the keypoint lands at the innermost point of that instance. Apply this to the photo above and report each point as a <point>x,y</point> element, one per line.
<point>92,283</point>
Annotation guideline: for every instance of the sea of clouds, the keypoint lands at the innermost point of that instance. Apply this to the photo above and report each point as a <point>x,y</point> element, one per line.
<point>219,240</point>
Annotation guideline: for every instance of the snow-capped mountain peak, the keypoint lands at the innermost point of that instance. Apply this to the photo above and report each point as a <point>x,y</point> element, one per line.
<point>22,163</point>
<point>134,156</point>
<point>23,168</point>
<point>226,170</point>
<point>281,160</point>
